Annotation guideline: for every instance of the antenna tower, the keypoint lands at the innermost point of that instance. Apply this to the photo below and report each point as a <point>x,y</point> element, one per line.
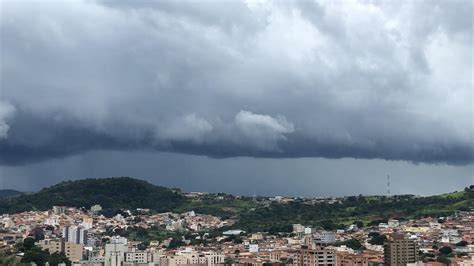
<point>388,185</point>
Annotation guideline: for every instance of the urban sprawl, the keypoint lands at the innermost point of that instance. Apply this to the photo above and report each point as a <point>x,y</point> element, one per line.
<point>85,237</point>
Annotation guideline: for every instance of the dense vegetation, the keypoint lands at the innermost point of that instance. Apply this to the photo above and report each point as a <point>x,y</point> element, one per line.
<point>118,193</point>
<point>8,259</point>
<point>368,210</point>
<point>121,192</point>
<point>225,206</point>
<point>9,193</point>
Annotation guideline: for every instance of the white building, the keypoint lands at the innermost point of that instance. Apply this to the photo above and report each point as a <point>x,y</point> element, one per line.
<point>435,225</point>
<point>115,251</point>
<point>298,228</point>
<point>383,226</point>
<point>253,248</point>
<point>96,208</point>
<point>214,258</point>
<point>87,223</point>
<point>192,258</point>
<point>59,209</point>
<point>233,232</point>
<point>8,222</point>
<point>393,223</point>
<point>325,237</point>
<point>74,234</point>
<point>51,221</point>
<point>137,257</point>
<point>450,236</point>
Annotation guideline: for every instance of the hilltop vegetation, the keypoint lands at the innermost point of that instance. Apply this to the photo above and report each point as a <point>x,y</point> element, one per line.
<point>128,193</point>
<point>367,210</point>
<point>221,205</point>
<point>9,193</point>
<point>120,192</point>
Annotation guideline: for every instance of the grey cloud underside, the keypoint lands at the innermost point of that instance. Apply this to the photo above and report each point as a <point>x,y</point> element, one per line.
<point>56,141</point>
<point>275,79</point>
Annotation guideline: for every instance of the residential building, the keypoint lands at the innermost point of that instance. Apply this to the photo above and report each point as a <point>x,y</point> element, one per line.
<point>75,234</point>
<point>348,259</point>
<point>399,250</point>
<point>96,208</point>
<point>115,251</point>
<point>59,209</point>
<point>137,257</point>
<point>325,237</point>
<point>316,257</point>
<point>72,250</point>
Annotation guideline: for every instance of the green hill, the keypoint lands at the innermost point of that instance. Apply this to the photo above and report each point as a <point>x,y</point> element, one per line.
<point>368,210</point>
<point>9,193</point>
<point>119,192</point>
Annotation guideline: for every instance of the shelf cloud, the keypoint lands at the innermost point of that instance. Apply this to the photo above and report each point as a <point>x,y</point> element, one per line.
<point>279,79</point>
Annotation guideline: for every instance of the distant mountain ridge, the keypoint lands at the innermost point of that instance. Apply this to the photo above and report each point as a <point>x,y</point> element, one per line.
<point>9,193</point>
<point>115,192</point>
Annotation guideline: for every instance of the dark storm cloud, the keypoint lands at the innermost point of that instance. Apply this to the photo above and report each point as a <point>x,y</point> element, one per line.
<point>262,79</point>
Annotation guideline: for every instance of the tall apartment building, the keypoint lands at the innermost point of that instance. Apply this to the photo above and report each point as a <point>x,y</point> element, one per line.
<point>72,250</point>
<point>115,251</point>
<point>316,257</point>
<point>400,250</point>
<point>73,234</point>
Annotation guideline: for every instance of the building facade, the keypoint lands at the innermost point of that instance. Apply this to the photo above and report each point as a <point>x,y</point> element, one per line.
<point>400,250</point>
<point>316,257</point>
<point>72,250</point>
<point>75,234</point>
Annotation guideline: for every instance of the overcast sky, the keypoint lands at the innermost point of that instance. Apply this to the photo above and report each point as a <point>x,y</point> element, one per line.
<point>266,97</point>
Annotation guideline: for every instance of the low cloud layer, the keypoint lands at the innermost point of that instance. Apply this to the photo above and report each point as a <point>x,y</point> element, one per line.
<point>262,79</point>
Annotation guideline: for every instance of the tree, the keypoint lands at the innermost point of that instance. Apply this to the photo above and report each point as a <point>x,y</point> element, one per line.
<point>235,239</point>
<point>37,234</point>
<point>143,245</point>
<point>353,244</point>
<point>445,250</point>
<point>36,255</point>
<point>57,258</point>
<point>28,243</point>
<point>8,259</point>
<point>377,239</point>
<point>359,224</point>
<point>274,230</point>
<point>443,259</point>
<point>461,243</point>
<point>377,222</point>
<point>175,242</point>
<point>372,234</point>
<point>141,233</point>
